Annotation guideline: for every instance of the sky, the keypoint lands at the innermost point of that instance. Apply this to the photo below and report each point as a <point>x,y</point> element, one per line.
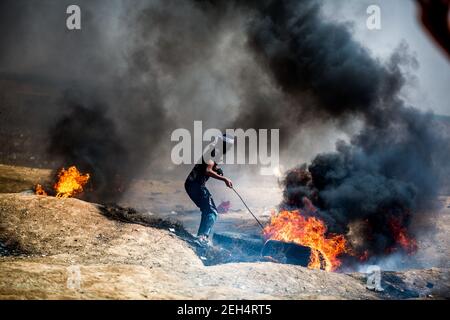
<point>400,22</point>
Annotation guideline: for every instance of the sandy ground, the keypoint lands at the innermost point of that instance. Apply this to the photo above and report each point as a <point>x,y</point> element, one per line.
<point>118,260</point>
<point>115,260</point>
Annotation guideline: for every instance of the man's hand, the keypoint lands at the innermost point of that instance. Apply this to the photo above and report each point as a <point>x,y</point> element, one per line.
<point>219,171</point>
<point>213,174</point>
<point>228,182</point>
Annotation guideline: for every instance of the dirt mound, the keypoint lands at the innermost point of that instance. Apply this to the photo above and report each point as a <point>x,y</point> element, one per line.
<point>47,226</point>
<point>114,259</point>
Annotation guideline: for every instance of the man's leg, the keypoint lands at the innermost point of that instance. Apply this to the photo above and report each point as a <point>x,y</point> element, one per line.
<point>209,214</point>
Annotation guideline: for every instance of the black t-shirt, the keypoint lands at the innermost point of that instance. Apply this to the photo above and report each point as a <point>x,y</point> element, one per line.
<point>198,173</point>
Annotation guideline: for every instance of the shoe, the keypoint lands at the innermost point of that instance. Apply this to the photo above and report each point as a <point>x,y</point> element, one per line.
<point>375,288</point>
<point>203,241</point>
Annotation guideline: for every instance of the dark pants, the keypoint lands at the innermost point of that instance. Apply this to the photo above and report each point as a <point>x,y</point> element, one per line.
<point>202,199</point>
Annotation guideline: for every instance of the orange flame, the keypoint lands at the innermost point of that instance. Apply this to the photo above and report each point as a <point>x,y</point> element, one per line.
<point>293,226</point>
<point>40,190</point>
<point>402,238</point>
<point>70,182</point>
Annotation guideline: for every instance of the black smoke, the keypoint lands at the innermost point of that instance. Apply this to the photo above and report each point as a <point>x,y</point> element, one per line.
<point>323,72</point>
<point>89,140</point>
<point>105,114</point>
<point>392,170</point>
<point>136,71</point>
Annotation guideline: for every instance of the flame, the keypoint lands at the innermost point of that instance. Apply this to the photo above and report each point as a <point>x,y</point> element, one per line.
<point>40,190</point>
<point>401,236</point>
<point>293,226</point>
<point>70,182</point>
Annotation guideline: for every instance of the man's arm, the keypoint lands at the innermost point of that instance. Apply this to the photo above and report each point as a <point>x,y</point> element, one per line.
<point>210,172</point>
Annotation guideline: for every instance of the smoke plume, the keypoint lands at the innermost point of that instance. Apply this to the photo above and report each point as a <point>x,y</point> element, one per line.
<point>392,169</point>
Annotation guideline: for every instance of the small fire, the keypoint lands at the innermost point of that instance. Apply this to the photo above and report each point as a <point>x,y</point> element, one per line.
<point>40,190</point>
<point>402,238</point>
<point>293,226</point>
<point>70,183</point>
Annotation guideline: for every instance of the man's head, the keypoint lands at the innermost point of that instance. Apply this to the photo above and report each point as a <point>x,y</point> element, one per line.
<point>221,145</point>
<point>227,142</point>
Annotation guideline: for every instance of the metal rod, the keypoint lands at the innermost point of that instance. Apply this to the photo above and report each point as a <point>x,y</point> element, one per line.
<point>260,224</point>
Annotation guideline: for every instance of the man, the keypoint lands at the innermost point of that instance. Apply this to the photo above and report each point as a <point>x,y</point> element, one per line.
<point>195,186</point>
